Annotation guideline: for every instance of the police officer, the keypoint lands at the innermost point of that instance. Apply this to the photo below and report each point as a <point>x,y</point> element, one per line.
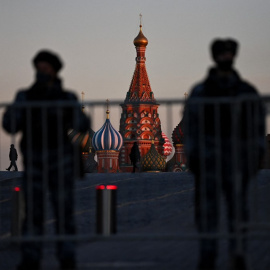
<point>224,142</point>
<point>49,157</point>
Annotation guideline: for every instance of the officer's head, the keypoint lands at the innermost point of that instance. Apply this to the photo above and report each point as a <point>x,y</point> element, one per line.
<point>47,65</point>
<point>224,52</point>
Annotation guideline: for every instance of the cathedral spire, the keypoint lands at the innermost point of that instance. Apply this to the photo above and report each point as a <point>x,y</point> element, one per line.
<point>140,119</point>
<point>140,89</point>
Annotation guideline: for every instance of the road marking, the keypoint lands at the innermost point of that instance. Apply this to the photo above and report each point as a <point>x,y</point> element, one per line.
<point>129,203</point>
<point>93,186</point>
<point>6,200</point>
<point>117,264</point>
<point>155,198</point>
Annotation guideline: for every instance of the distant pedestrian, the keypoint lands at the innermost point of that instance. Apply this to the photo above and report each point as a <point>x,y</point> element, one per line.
<point>50,159</point>
<point>224,143</point>
<point>135,156</point>
<point>13,156</point>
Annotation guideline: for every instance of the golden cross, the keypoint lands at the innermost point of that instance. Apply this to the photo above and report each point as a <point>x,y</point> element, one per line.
<point>82,96</point>
<point>107,112</point>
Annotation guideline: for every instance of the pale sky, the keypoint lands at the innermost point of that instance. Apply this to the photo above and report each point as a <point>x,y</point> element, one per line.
<point>95,40</point>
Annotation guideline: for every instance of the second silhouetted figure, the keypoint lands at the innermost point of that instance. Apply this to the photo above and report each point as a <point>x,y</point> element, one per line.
<point>13,156</point>
<point>135,156</point>
<point>224,142</point>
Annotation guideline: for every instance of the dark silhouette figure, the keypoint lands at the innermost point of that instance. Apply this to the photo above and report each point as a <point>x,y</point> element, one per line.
<point>50,159</point>
<point>224,142</point>
<point>13,156</point>
<point>135,156</point>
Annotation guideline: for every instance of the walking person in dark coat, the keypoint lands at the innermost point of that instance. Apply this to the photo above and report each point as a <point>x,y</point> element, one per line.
<point>13,156</point>
<point>50,159</point>
<point>224,143</point>
<point>135,156</point>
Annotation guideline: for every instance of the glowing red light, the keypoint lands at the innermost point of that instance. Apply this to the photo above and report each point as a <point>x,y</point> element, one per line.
<point>17,189</point>
<point>111,187</point>
<point>100,187</point>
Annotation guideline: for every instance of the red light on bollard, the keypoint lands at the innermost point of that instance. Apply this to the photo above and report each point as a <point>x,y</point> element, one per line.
<point>17,189</point>
<point>111,187</point>
<point>100,187</point>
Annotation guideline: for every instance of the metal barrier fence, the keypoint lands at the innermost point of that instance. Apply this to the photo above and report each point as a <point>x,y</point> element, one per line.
<point>141,202</point>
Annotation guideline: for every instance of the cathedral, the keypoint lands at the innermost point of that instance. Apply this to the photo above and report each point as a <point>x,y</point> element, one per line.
<point>139,123</point>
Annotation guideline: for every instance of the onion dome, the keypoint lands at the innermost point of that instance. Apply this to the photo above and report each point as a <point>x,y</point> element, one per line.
<point>153,161</point>
<point>178,134</point>
<point>107,138</point>
<point>167,145</point>
<point>83,139</point>
<point>140,40</point>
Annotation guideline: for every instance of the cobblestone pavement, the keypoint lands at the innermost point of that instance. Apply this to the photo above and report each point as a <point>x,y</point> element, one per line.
<point>148,205</point>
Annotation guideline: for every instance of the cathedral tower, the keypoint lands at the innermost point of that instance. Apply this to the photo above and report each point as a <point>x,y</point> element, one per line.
<point>139,119</point>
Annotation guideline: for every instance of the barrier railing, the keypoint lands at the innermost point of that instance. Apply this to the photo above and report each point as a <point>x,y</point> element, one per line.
<point>142,198</point>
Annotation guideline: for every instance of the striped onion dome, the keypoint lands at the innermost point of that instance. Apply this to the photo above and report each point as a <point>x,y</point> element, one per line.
<point>167,145</point>
<point>107,138</point>
<point>178,134</point>
<point>84,139</point>
<point>153,161</point>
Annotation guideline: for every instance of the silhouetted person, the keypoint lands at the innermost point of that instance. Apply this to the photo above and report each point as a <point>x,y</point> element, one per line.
<point>13,156</point>
<point>135,156</point>
<point>224,142</point>
<point>49,156</point>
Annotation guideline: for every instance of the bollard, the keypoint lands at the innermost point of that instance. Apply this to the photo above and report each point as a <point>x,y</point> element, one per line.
<point>106,209</point>
<point>17,212</point>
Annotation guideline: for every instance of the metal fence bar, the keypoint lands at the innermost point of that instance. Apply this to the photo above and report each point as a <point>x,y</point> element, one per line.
<point>136,237</point>
<point>44,164</point>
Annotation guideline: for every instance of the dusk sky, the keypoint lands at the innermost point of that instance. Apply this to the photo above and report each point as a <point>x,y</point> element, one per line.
<point>95,40</point>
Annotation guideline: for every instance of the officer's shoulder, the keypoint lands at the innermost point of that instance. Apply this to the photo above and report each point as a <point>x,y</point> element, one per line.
<point>70,95</point>
<point>197,90</point>
<point>21,95</point>
<point>248,88</point>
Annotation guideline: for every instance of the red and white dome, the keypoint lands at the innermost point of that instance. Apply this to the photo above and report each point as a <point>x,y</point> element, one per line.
<point>167,145</point>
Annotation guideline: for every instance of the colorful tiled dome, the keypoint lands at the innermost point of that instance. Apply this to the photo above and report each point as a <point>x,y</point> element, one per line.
<point>107,138</point>
<point>178,135</point>
<point>167,145</point>
<point>153,161</point>
<point>84,139</point>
